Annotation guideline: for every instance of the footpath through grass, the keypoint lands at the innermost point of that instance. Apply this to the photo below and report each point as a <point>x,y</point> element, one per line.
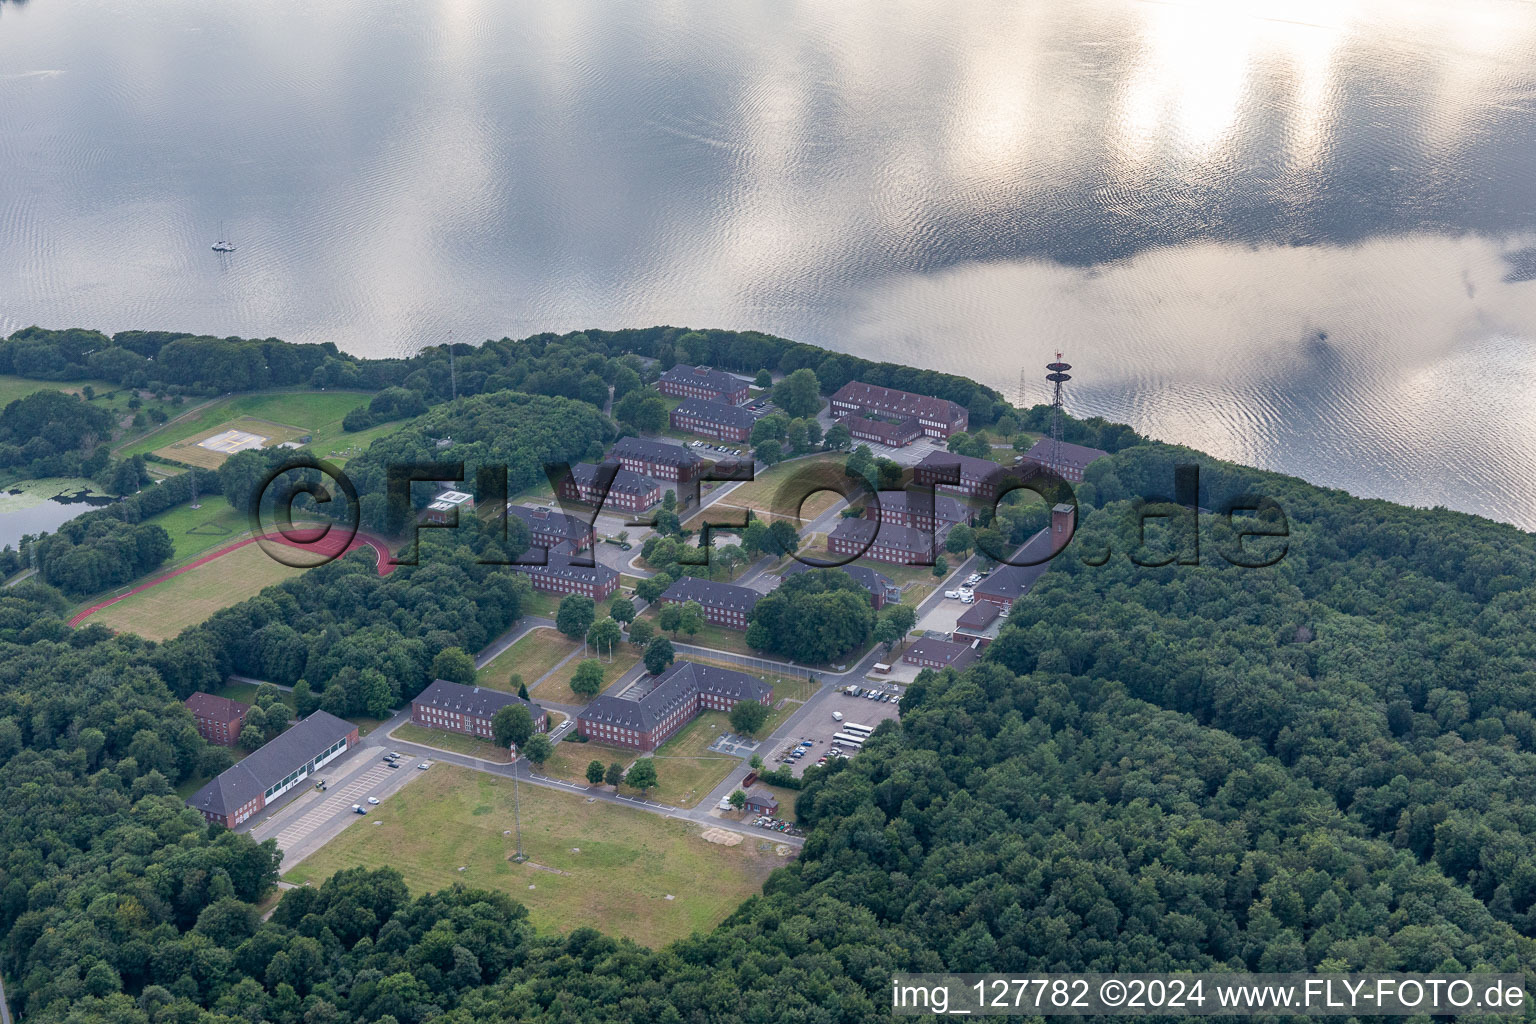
<point>621,870</point>
<point>531,657</point>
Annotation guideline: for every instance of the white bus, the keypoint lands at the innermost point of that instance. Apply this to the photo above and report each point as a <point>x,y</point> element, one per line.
<point>856,728</point>
<point>847,739</point>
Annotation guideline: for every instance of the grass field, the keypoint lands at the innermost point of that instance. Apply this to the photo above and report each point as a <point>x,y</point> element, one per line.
<point>194,531</point>
<point>557,686</point>
<point>792,691</point>
<point>763,494</point>
<point>455,742</point>
<point>245,693</point>
<point>570,759</point>
<point>531,657</point>
<point>685,769</point>
<point>718,637</point>
<point>596,864</point>
<point>191,451</point>
<point>167,608</point>
<point>318,413</point>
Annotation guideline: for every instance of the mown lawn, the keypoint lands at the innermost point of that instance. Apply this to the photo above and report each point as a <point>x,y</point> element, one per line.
<point>455,742</point>
<point>319,412</point>
<point>196,530</point>
<point>167,608</point>
<point>531,657</point>
<point>768,493</point>
<point>717,637</point>
<point>596,864</point>
<point>570,759</point>
<point>557,685</point>
<point>685,769</point>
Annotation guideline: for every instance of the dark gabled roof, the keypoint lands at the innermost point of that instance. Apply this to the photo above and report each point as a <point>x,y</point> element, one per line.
<point>658,452</point>
<point>561,562</point>
<point>215,709</point>
<point>877,583</point>
<point>548,521</point>
<point>712,595</point>
<point>723,413</point>
<point>676,686</point>
<point>948,652</point>
<point>1062,453</point>
<point>703,376</point>
<point>873,396</point>
<point>863,532</point>
<point>760,797</point>
<point>236,786</point>
<point>906,430</point>
<point>625,481</point>
<point>939,506</point>
<point>475,701</point>
<point>1011,582</point>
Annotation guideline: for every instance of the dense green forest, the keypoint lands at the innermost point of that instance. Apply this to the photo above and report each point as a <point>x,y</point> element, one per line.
<point>1326,763</point>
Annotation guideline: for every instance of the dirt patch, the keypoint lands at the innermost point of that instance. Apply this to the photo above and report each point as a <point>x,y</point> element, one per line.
<point>543,867</point>
<point>723,837</point>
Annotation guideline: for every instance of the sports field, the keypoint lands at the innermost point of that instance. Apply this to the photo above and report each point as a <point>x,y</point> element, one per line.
<point>621,870</point>
<point>165,609</point>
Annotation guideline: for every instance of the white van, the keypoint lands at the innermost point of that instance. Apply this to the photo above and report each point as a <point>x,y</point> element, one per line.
<point>837,716</point>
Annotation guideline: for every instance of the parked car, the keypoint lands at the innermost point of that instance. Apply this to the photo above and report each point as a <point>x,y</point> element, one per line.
<point>424,766</point>
<point>374,800</point>
<point>968,599</point>
<point>951,594</point>
<point>837,716</point>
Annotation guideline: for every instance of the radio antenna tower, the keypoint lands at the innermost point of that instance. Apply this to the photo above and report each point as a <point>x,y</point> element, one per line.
<point>453,374</point>
<point>192,476</point>
<point>1020,398</point>
<point>1058,376</point>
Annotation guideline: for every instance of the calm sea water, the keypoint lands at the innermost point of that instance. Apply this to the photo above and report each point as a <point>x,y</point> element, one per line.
<point>1297,233</point>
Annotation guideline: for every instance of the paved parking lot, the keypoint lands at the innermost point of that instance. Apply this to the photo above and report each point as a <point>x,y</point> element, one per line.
<point>819,727</point>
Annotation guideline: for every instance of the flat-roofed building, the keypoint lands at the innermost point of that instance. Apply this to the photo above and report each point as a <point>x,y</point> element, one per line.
<point>468,709</point>
<point>657,459</point>
<point>610,486</point>
<point>703,382</point>
<point>1068,461</point>
<point>724,604</point>
<point>219,719</point>
<point>719,420</point>
<point>283,762</point>
<point>938,417</point>
<point>449,506</point>
<point>678,696</point>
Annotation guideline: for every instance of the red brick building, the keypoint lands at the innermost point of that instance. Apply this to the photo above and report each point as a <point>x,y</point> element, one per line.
<point>713,419</point>
<point>882,591</point>
<point>883,542</point>
<point>1067,461</point>
<point>930,652</point>
<point>979,624</point>
<point>679,694</point>
<point>938,417</point>
<point>561,573</point>
<point>724,604</point>
<point>891,433</point>
<point>611,487</point>
<point>280,765</point>
<point>219,719</point>
<point>918,509</point>
<point>703,382</point>
<point>980,478</point>
<point>657,459</point>
<point>468,709</point>
<point>548,528</point>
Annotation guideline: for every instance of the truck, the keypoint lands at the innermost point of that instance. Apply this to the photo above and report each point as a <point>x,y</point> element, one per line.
<point>852,691</point>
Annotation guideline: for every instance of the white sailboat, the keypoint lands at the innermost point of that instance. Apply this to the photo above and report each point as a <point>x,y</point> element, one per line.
<point>223,244</point>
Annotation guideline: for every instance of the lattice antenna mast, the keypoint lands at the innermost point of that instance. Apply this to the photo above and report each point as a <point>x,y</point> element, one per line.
<point>453,373</point>
<point>1058,376</point>
<point>1021,397</point>
<point>192,475</point>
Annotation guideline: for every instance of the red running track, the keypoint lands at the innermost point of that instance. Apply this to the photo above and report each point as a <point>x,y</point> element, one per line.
<point>328,545</point>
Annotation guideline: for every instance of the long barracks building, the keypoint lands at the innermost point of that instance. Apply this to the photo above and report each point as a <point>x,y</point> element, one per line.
<point>679,695</point>
<point>938,417</point>
<point>468,709</point>
<point>703,382</point>
<point>548,528</point>
<point>277,767</point>
<point>610,486</point>
<point>562,573</point>
<point>713,419</point>
<point>724,604</point>
<point>657,459</point>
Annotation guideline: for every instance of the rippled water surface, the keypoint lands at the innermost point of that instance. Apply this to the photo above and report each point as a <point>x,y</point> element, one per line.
<point>1292,232</point>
